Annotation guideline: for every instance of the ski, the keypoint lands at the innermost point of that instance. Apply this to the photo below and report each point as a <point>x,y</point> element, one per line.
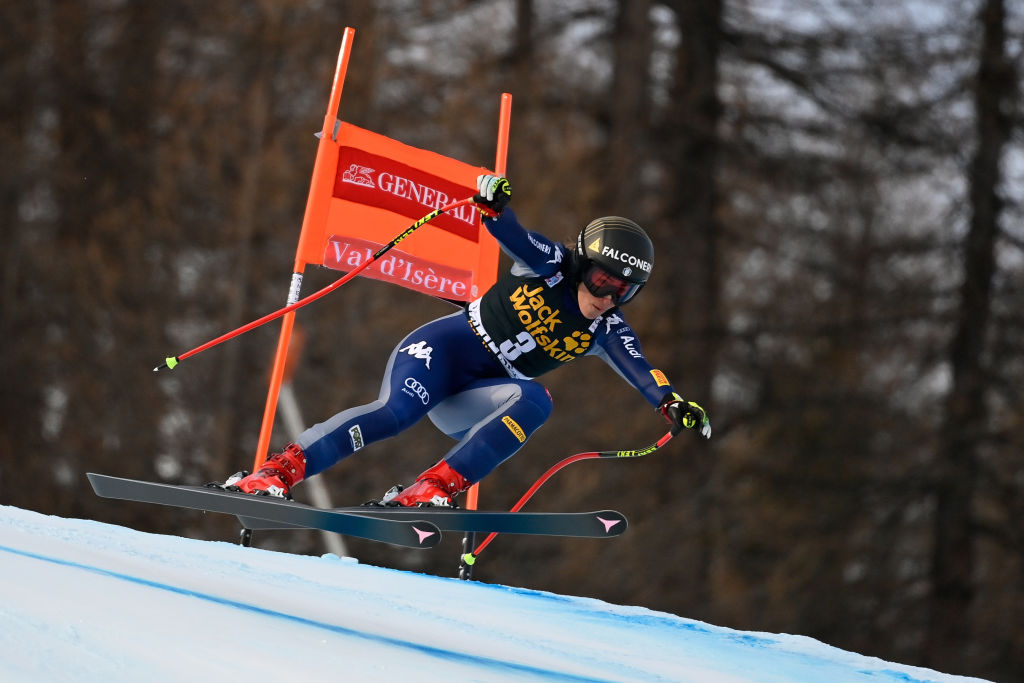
<point>596,524</point>
<point>409,531</point>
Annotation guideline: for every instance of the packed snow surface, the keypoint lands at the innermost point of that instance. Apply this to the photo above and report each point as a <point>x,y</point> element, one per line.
<point>85,601</point>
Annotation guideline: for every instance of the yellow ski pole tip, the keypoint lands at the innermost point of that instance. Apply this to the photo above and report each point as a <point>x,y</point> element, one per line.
<point>469,559</point>
<point>169,363</point>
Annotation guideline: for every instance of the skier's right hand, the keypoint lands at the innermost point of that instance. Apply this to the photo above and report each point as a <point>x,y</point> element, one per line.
<point>495,192</point>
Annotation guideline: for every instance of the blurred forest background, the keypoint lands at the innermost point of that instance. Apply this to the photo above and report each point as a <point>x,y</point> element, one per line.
<point>835,189</point>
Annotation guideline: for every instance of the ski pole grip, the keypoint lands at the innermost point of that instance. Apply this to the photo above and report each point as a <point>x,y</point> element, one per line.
<point>481,205</point>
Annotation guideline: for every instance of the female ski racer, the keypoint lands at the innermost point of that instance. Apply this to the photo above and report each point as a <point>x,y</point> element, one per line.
<point>472,372</point>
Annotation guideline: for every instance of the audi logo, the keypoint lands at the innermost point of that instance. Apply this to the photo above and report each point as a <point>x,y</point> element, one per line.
<point>418,389</point>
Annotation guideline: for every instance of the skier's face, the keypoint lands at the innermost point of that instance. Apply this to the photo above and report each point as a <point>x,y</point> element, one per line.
<point>590,305</point>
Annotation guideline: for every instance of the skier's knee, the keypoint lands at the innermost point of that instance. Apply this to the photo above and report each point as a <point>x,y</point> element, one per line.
<point>539,397</point>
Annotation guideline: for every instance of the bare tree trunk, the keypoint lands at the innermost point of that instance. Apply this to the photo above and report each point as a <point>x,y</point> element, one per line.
<point>225,456</point>
<point>524,39</point>
<point>22,171</point>
<point>629,106</point>
<point>688,254</point>
<point>953,566</point>
<point>692,198</point>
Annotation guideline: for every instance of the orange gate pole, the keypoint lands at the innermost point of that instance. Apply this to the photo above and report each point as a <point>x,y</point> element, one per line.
<point>317,205</point>
<point>500,160</point>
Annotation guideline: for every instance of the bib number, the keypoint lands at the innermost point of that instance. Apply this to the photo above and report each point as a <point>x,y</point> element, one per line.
<point>511,349</point>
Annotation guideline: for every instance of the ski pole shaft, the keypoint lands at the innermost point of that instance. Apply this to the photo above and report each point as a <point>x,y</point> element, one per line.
<point>470,557</point>
<point>171,361</point>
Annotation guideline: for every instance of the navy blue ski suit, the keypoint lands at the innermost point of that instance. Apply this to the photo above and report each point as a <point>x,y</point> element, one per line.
<point>472,371</point>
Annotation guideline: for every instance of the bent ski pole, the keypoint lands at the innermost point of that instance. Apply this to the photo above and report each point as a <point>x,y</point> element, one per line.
<point>171,361</point>
<point>470,557</point>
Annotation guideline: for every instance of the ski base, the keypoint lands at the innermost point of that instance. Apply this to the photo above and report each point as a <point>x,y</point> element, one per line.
<point>270,512</point>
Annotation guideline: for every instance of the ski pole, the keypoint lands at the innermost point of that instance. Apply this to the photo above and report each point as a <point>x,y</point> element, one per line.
<point>171,361</point>
<point>470,558</point>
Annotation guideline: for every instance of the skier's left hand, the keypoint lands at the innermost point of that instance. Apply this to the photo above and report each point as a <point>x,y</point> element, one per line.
<point>495,192</point>
<point>683,414</point>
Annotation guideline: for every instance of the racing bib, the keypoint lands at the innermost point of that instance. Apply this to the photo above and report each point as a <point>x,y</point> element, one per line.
<point>528,326</point>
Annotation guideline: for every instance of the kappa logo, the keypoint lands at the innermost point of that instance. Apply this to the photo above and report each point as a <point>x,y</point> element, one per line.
<point>419,350</point>
<point>613,320</point>
<point>558,255</point>
<point>355,434</point>
<point>359,175</point>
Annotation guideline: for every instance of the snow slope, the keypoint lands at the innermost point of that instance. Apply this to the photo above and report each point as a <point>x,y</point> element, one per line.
<point>84,601</point>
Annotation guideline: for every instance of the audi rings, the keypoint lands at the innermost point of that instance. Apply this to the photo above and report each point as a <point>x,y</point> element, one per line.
<point>414,388</point>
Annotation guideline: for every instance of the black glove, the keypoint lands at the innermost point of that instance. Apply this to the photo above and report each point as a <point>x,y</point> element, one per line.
<point>495,192</point>
<point>683,414</point>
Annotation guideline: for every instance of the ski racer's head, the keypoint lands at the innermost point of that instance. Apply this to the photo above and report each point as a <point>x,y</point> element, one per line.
<point>614,258</point>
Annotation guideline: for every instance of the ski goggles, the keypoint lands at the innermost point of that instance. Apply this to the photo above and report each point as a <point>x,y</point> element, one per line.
<point>601,283</point>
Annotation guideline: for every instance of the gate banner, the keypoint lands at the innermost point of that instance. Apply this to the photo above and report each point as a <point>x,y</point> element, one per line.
<point>377,186</point>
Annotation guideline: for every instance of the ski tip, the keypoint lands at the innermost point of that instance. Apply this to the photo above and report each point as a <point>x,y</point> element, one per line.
<point>94,478</point>
<point>614,522</point>
<point>99,484</point>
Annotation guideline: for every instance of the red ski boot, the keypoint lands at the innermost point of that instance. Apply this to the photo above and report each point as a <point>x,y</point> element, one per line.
<point>275,477</point>
<point>435,487</point>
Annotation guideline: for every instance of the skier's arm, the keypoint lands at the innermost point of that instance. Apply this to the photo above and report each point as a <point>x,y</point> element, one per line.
<point>620,348</point>
<point>532,252</point>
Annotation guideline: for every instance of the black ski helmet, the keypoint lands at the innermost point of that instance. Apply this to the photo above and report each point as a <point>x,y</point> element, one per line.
<point>617,246</point>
